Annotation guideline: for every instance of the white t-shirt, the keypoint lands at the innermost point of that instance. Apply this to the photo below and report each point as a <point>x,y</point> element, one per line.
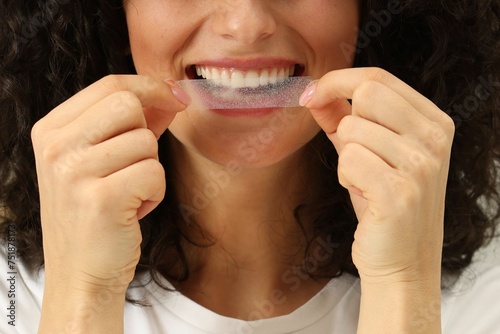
<point>472,306</point>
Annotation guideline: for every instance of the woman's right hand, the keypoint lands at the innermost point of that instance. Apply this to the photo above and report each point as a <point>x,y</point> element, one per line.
<point>98,174</point>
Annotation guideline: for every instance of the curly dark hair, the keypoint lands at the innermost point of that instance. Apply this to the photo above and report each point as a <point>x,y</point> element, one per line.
<point>447,50</point>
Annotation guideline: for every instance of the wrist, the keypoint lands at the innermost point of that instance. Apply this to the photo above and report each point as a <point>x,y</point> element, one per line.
<point>418,276</point>
<point>76,281</point>
<point>82,309</point>
<point>400,307</point>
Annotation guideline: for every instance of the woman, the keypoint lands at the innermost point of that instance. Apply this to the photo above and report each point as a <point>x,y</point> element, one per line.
<point>344,215</point>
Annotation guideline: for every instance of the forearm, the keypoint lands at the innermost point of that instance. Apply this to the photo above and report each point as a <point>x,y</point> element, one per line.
<point>410,308</point>
<point>73,311</point>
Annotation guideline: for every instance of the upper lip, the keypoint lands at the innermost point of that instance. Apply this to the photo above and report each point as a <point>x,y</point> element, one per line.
<point>249,64</point>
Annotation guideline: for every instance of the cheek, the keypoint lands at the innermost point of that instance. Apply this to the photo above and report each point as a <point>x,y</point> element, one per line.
<point>154,38</point>
<point>331,32</point>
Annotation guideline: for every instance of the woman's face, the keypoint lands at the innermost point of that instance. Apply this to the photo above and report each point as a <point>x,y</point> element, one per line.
<point>250,38</point>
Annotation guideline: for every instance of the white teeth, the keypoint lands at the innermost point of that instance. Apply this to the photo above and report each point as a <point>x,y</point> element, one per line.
<point>250,78</point>
<point>264,77</point>
<point>273,76</point>
<point>215,74</point>
<point>281,73</point>
<point>237,79</point>
<point>225,77</point>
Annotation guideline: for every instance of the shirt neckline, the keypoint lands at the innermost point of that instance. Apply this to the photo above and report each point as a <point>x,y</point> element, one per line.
<point>210,322</point>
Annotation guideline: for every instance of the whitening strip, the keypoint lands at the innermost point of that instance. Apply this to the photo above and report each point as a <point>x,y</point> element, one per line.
<point>234,94</point>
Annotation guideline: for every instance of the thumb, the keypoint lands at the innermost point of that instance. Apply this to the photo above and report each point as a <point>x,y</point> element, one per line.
<point>158,119</point>
<point>327,113</point>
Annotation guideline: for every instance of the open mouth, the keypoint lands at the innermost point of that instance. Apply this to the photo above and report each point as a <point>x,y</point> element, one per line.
<point>233,78</point>
<point>220,88</point>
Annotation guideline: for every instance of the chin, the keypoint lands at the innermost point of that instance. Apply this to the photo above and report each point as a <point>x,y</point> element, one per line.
<point>250,142</point>
<point>244,150</point>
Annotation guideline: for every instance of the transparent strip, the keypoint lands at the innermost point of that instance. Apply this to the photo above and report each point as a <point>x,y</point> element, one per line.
<point>236,93</point>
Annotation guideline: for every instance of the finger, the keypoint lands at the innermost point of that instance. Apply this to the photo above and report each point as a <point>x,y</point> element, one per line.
<point>389,146</point>
<point>329,116</point>
<point>382,105</point>
<point>158,120</point>
<point>142,182</point>
<point>152,92</point>
<point>120,152</point>
<point>341,84</point>
<point>360,168</point>
<point>115,114</point>
<point>337,143</point>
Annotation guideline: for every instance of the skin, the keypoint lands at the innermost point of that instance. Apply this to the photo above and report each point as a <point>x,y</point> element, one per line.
<point>393,147</point>
<point>163,46</point>
<point>239,220</point>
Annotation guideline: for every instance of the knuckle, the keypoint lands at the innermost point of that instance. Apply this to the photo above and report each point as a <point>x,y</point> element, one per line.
<point>366,91</point>
<point>126,99</point>
<point>155,178</point>
<point>344,129</point>
<point>37,131</point>
<point>155,169</point>
<point>52,150</point>
<point>407,191</point>
<point>379,75</point>
<point>412,164</point>
<point>112,83</point>
<point>349,154</point>
<point>438,141</point>
<point>95,197</point>
<point>55,155</point>
<point>449,125</point>
<point>148,82</point>
<point>148,141</point>
<point>126,106</point>
<point>408,196</point>
<point>68,165</point>
<point>421,168</point>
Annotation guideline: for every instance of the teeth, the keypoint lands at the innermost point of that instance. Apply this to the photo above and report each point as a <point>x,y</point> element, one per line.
<point>215,74</point>
<point>252,80</point>
<point>273,76</point>
<point>239,79</point>
<point>225,77</point>
<point>264,77</point>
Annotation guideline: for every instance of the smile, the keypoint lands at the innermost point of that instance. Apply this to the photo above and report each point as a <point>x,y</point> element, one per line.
<point>244,78</point>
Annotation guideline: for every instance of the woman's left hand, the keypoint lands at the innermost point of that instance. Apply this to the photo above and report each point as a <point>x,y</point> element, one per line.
<point>394,149</point>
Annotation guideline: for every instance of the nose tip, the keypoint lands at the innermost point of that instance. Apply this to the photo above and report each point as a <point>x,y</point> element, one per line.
<point>248,32</point>
<point>246,22</point>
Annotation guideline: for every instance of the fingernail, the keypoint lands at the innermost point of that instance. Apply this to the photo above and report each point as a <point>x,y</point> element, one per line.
<point>308,94</point>
<point>178,92</point>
